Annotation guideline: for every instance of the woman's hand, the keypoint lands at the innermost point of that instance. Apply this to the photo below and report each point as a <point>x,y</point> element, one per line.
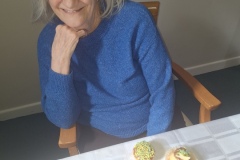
<point>64,44</point>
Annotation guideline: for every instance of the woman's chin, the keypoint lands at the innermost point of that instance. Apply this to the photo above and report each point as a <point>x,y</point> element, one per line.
<point>78,27</point>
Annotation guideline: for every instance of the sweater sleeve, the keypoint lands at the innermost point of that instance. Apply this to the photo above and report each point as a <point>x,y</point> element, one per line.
<point>59,98</point>
<point>157,70</point>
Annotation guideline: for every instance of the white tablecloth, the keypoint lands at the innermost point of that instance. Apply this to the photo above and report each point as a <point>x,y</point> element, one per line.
<point>215,140</point>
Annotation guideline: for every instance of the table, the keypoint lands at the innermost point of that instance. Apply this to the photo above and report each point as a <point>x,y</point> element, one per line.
<point>215,140</point>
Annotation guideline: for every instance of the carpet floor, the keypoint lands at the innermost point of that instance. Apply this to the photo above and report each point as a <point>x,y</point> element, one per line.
<point>35,138</point>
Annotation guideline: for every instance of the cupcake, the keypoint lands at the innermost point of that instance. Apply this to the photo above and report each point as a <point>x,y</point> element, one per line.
<point>143,151</point>
<point>179,153</point>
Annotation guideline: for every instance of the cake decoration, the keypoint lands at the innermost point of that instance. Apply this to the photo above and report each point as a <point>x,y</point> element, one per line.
<point>143,151</point>
<point>180,153</point>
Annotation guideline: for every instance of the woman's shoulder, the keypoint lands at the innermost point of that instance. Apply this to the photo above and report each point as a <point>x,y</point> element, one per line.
<point>133,14</point>
<point>46,36</point>
<point>49,29</point>
<point>137,6</point>
<point>47,32</point>
<point>135,10</point>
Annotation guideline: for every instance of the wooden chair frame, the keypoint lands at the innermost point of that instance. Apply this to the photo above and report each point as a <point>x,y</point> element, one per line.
<point>208,102</point>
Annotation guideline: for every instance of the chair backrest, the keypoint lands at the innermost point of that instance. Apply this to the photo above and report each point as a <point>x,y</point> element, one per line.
<point>153,7</point>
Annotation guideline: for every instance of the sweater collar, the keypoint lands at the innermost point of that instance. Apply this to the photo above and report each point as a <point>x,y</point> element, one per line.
<point>98,33</point>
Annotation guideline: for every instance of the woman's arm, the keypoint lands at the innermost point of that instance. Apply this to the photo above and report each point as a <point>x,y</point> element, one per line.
<point>157,70</point>
<point>59,98</point>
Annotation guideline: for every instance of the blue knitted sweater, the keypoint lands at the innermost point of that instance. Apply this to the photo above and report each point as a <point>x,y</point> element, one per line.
<point>120,80</point>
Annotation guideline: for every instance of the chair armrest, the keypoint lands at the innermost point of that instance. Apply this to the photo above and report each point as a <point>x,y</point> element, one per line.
<point>208,101</point>
<point>68,137</point>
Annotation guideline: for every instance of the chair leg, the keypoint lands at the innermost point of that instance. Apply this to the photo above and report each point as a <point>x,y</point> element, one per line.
<point>205,114</point>
<point>73,151</point>
<point>187,120</point>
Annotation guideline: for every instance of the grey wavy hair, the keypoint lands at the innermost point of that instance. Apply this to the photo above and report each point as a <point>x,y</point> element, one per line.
<point>42,11</point>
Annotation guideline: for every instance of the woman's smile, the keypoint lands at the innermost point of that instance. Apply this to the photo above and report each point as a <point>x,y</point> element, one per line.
<point>71,11</point>
<point>77,14</point>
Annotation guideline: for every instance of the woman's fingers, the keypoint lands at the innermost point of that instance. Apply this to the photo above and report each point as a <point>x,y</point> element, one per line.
<point>66,39</point>
<point>82,33</point>
<point>64,44</point>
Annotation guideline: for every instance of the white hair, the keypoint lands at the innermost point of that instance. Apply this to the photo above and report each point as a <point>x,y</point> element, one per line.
<point>43,12</point>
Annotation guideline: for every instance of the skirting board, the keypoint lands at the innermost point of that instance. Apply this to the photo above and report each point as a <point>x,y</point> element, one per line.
<point>200,69</point>
<point>214,66</point>
<point>20,111</point>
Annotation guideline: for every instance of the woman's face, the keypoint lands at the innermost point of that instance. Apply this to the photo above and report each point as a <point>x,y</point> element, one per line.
<point>77,14</point>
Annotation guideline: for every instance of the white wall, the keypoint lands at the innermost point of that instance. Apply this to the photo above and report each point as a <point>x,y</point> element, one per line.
<point>201,35</point>
<point>19,84</point>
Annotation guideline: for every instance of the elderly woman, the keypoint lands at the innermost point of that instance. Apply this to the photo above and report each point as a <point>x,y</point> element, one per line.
<point>104,66</point>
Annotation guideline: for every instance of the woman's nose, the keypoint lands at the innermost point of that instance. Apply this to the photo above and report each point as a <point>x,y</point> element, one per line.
<point>69,3</point>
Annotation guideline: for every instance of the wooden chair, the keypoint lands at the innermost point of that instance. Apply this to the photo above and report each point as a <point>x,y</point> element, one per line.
<point>208,102</point>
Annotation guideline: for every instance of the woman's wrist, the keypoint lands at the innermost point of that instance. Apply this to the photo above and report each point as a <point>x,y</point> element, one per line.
<point>61,66</point>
